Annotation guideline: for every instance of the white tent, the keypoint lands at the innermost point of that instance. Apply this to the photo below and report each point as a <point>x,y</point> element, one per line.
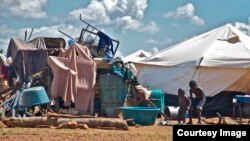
<point>135,57</point>
<point>222,56</point>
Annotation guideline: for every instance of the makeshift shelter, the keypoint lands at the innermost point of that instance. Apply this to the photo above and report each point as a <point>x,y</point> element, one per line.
<point>74,76</point>
<point>218,60</point>
<point>28,57</point>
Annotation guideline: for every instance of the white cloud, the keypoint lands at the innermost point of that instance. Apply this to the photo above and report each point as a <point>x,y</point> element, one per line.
<point>197,20</point>
<point>95,12</point>
<point>151,27</point>
<point>53,31</point>
<point>6,31</point>
<point>183,11</point>
<point>154,50</point>
<point>45,31</point>
<point>186,11</point>
<point>23,8</point>
<point>156,42</point>
<point>139,8</point>
<point>5,35</point>
<point>4,42</point>
<point>243,27</point>
<point>128,23</point>
<point>122,14</point>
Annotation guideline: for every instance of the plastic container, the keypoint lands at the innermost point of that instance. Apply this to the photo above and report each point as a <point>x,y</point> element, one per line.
<point>242,98</point>
<point>157,97</point>
<point>34,96</point>
<point>141,115</point>
<point>186,114</point>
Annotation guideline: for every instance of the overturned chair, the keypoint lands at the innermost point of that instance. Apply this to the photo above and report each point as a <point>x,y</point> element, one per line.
<point>18,103</point>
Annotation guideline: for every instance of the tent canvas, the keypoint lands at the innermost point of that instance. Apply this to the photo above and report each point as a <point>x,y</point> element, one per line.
<point>222,57</point>
<point>225,65</point>
<point>135,57</point>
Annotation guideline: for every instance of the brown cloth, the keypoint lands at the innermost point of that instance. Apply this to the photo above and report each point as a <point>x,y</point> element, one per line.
<point>28,57</point>
<point>74,77</point>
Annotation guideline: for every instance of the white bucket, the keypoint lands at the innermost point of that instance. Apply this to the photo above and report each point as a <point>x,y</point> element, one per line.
<point>172,112</point>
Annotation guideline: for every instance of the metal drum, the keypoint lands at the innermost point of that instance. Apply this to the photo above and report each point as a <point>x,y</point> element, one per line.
<point>172,112</point>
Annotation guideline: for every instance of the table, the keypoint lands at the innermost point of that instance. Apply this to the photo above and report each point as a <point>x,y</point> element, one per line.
<point>239,106</point>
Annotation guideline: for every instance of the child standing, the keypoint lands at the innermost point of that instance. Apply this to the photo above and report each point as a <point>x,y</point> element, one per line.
<point>184,104</point>
<point>197,102</point>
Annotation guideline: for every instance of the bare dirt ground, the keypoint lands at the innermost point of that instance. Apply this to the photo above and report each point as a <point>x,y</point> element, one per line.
<point>146,133</point>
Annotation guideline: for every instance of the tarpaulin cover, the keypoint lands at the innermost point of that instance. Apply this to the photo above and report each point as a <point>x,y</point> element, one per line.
<point>74,77</point>
<point>28,57</point>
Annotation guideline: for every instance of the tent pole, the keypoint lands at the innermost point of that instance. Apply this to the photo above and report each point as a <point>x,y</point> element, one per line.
<point>197,68</point>
<point>30,34</point>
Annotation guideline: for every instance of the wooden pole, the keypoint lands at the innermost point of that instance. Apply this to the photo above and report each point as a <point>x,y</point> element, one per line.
<point>66,35</point>
<point>153,105</point>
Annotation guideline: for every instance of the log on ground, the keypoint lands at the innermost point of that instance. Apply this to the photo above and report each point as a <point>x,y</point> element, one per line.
<point>91,122</point>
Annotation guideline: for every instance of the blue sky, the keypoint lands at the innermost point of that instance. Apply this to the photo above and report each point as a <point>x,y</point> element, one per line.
<point>150,25</point>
